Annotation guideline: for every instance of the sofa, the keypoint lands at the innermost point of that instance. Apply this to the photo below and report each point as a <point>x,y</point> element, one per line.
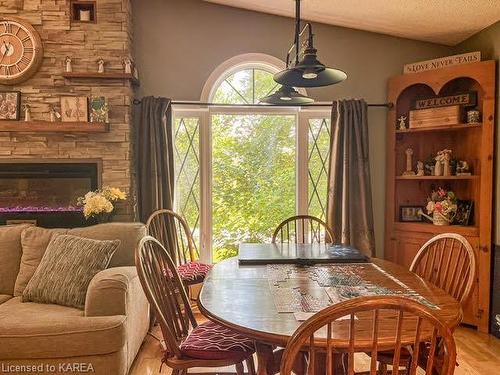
<point>104,338</point>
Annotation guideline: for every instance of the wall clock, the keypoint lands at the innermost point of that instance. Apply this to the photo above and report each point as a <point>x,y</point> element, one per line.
<point>21,50</point>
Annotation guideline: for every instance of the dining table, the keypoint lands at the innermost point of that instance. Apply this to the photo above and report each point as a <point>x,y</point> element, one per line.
<point>257,298</point>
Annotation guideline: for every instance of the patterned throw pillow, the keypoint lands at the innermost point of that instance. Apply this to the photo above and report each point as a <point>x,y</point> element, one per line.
<point>66,269</point>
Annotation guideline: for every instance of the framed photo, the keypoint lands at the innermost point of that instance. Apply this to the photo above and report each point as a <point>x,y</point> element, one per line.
<point>74,109</point>
<point>99,109</point>
<point>410,213</point>
<point>10,104</point>
<point>464,212</point>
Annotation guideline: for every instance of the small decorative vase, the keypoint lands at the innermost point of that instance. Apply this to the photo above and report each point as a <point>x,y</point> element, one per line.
<point>103,218</point>
<point>446,168</point>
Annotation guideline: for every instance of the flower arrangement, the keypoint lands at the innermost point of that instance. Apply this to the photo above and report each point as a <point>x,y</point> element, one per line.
<point>99,204</point>
<point>442,204</point>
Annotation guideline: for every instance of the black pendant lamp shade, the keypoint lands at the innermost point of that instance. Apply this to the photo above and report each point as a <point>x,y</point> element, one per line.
<point>309,72</point>
<point>286,95</point>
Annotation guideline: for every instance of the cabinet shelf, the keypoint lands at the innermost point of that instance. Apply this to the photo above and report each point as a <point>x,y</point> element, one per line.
<point>53,127</point>
<point>440,128</point>
<point>106,75</point>
<point>436,229</point>
<point>420,178</point>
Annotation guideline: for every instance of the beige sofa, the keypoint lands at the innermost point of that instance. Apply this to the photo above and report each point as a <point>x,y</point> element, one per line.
<point>104,338</point>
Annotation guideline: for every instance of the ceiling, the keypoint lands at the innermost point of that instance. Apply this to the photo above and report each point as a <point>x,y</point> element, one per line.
<point>440,21</point>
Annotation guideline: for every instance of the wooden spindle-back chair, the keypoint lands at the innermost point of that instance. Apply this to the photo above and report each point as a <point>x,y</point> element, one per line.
<point>449,262</point>
<point>412,324</point>
<point>173,232</point>
<point>303,229</point>
<point>168,298</point>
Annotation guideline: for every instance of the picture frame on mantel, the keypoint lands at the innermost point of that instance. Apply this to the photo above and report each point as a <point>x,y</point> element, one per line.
<point>10,105</point>
<point>74,109</point>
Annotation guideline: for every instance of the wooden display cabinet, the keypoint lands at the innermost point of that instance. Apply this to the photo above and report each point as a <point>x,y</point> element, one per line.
<point>473,143</point>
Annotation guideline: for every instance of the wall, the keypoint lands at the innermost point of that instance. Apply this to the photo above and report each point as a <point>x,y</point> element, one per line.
<point>111,39</point>
<point>179,43</point>
<point>488,42</point>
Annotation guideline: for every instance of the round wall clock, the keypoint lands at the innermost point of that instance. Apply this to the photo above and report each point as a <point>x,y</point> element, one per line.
<point>21,50</point>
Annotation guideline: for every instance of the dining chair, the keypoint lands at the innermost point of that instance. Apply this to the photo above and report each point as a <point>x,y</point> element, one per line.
<point>303,229</point>
<point>449,262</point>
<point>187,343</point>
<point>364,321</point>
<point>173,232</point>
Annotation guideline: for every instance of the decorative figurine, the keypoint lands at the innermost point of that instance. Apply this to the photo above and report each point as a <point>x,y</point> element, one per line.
<point>127,65</point>
<point>438,166</point>
<point>446,162</point>
<point>409,169</point>
<point>420,168</point>
<point>69,66</point>
<point>463,168</point>
<point>54,115</point>
<point>100,66</point>
<point>401,123</point>
<point>27,112</point>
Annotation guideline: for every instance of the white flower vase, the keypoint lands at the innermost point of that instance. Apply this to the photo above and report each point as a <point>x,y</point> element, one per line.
<point>438,218</point>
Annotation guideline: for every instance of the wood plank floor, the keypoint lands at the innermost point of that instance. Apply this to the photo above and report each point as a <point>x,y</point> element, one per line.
<point>478,354</point>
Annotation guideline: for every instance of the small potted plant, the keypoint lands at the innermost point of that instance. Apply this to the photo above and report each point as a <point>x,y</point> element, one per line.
<point>442,205</point>
<point>99,204</point>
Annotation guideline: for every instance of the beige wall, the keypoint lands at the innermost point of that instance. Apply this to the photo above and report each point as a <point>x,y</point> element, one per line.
<point>488,42</point>
<point>178,43</point>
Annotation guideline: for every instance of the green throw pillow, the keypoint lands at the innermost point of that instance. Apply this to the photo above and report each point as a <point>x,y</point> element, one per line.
<point>66,269</point>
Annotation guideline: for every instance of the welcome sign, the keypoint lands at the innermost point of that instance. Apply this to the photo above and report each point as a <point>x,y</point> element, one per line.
<point>467,99</point>
<point>443,62</point>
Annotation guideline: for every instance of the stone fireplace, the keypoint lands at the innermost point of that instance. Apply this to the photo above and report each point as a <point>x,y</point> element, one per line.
<point>110,39</point>
<point>46,193</point>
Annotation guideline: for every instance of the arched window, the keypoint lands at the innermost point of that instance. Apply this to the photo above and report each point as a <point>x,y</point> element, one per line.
<point>245,86</point>
<point>243,168</point>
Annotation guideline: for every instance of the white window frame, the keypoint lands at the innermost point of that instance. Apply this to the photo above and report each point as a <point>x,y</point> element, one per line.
<point>204,114</point>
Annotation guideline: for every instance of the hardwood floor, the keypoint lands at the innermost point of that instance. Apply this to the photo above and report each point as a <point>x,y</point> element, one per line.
<point>478,354</point>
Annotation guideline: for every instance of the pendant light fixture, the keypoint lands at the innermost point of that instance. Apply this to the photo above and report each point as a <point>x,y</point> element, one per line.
<point>309,71</point>
<point>286,95</point>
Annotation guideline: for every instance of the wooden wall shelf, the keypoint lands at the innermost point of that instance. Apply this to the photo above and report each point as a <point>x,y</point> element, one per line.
<point>407,178</point>
<point>440,128</point>
<point>53,127</point>
<point>436,229</point>
<point>106,75</point>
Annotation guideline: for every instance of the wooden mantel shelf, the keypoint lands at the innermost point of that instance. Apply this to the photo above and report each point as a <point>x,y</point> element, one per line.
<point>106,75</point>
<point>53,127</point>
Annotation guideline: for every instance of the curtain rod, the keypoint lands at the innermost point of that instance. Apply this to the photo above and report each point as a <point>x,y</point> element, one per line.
<point>329,104</point>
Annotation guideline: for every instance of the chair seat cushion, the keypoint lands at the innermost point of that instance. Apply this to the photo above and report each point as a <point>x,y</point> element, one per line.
<point>193,272</point>
<point>213,341</point>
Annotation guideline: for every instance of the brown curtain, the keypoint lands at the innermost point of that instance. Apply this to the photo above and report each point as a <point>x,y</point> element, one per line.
<point>349,201</point>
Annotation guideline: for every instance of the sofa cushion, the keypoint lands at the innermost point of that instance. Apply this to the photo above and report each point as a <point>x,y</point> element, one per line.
<point>10,256</point>
<point>34,241</point>
<point>129,235</point>
<point>66,269</point>
<point>4,298</point>
<point>32,330</point>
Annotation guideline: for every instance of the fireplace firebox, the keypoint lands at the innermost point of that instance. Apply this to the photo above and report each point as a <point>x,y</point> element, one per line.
<point>46,193</point>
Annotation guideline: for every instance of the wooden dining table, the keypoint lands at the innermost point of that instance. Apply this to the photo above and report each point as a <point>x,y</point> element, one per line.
<point>240,297</point>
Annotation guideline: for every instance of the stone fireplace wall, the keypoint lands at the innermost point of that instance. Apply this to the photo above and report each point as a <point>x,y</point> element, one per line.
<point>111,39</point>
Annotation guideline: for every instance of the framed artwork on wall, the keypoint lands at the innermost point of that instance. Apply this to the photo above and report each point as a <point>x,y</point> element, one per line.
<point>10,103</point>
<point>410,213</point>
<point>74,109</point>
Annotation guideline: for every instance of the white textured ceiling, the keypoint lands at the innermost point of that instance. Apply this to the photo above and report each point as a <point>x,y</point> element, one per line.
<point>439,21</point>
